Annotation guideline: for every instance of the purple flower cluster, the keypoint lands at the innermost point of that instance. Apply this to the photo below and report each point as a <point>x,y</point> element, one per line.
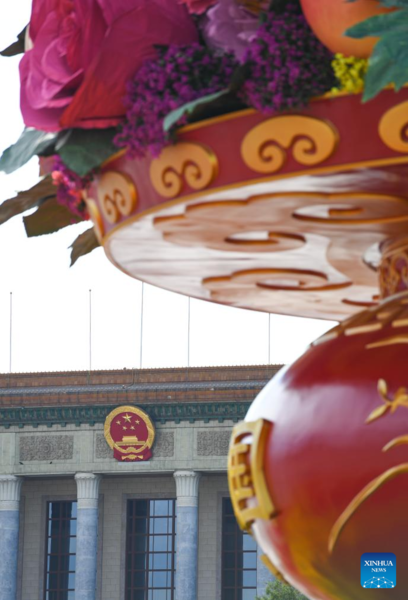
<point>287,64</point>
<point>181,74</point>
<point>70,188</point>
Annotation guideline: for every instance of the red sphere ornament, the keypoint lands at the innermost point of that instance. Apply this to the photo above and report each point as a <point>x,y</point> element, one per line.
<point>329,20</point>
<point>319,469</point>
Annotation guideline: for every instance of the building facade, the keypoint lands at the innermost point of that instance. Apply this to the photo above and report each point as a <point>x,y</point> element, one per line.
<point>75,523</point>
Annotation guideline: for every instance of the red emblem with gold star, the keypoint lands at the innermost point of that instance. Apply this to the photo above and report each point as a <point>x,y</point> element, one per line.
<point>130,433</point>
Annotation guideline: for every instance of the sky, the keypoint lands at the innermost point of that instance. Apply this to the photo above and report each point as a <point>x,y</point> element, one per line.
<point>50,316</point>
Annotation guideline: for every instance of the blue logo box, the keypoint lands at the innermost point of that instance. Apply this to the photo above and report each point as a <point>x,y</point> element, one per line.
<point>378,570</point>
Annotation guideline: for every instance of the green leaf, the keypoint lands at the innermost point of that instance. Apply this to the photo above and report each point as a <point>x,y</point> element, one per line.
<point>388,65</point>
<point>30,143</point>
<point>16,47</point>
<point>84,244</point>
<point>85,149</point>
<point>394,3</point>
<point>389,61</point>
<point>49,218</point>
<point>172,118</point>
<point>379,25</point>
<point>27,199</point>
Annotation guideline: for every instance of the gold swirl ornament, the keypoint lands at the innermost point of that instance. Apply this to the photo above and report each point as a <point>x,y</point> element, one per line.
<point>117,195</point>
<point>393,128</point>
<point>247,484</point>
<point>312,141</point>
<point>184,163</point>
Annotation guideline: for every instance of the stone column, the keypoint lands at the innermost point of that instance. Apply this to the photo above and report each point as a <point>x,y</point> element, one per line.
<point>187,534</point>
<point>87,535</point>
<point>10,487</point>
<point>263,575</point>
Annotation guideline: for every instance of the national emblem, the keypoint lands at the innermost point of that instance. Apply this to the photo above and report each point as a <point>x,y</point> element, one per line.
<point>130,433</point>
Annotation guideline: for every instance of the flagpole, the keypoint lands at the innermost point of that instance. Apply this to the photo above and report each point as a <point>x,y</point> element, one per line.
<point>11,328</point>
<point>141,329</point>
<point>188,334</point>
<point>90,330</point>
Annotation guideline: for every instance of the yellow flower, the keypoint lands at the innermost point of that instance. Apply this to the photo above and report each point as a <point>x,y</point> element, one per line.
<point>350,73</point>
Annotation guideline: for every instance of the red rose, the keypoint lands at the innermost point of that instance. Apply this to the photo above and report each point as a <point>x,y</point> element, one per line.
<point>84,52</point>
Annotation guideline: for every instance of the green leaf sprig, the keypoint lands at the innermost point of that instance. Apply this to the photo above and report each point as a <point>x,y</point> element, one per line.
<point>388,64</point>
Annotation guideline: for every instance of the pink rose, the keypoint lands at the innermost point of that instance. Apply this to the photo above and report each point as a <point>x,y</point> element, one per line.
<point>198,7</point>
<point>85,51</point>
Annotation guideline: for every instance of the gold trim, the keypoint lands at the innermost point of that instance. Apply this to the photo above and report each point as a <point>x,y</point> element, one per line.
<point>195,196</point>
<point>398,441</point>
<point>397,339</point>
<point>247,484</point>
<point>355,504</point>
<point>136,411</point>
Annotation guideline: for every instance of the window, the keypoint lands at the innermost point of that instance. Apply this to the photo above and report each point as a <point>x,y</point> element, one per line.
<point>60,551</point>
<point>150,549</point>
<point>238,558</point>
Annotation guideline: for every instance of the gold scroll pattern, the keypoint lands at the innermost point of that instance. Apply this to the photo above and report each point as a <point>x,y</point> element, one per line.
<point>311,140</point>
<point>248,490</point>
<point>184,163</point>
<point>389,406</point>
<point>393,128</point>
<point>117,195</point>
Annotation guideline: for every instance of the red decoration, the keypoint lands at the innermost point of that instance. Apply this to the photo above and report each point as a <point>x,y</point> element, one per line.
<point>130,433</point>
<point>324,445</point>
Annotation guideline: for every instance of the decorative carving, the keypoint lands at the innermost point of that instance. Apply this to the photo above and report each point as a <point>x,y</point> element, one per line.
<point>10,488</point>
<point>393,128</point>
<point>87,489</point>
<point>213,443</point>
<point>117,195</point>
<point>163,446</point>
<point>46,447</point>
<point>193,164</point>
<point>187,487</point>
<point>312,141</point>
<point>102,449</point>
<point>249,493</point>
<point>89,415</point>
<point>393,271</point>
